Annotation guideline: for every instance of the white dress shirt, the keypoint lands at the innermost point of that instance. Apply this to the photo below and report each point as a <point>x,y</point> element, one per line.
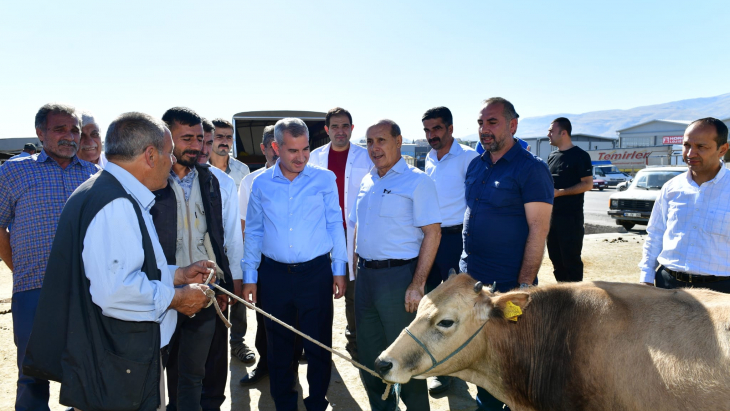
<point>113,258</point>
<point>232,234</point>
<point>689,228</point>
<point>449,174</point>
<point>244,191</point>
<point>358,165</point>
<point>294,221</point>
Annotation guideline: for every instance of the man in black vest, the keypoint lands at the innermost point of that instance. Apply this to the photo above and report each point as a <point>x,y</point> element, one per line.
<point>105,311</point>
<point>188,217</point>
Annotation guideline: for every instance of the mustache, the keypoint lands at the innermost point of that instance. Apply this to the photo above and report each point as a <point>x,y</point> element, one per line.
<point>486,135</point>
<point>224,145</point>
<point>434,140</point>
<point>191,152</point>
<point>68,143</point>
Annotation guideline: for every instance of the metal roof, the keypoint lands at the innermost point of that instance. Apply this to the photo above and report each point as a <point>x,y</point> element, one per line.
<point>681,122</point>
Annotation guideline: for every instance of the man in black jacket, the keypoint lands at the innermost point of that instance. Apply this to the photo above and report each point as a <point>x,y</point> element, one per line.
<point>188,217</point>
<point>105,312</point>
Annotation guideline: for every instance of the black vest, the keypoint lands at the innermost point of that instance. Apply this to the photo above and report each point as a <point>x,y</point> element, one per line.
<point>102,363</point>
<point>164,214</point>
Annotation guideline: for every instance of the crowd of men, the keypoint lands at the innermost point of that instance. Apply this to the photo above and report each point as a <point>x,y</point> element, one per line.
<point>113,252</point>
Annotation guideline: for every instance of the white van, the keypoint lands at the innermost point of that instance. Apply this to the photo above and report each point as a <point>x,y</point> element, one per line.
<point>608,172</point>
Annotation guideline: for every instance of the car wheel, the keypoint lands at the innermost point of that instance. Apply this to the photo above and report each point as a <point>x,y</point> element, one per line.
<point>600,188</point>
<point>628,226</point>
<point>622,188</point>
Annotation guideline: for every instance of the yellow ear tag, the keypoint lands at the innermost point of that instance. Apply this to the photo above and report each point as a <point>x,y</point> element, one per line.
<point>511,311</point>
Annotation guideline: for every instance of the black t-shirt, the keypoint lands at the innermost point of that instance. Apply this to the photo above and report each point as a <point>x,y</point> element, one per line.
<point>567,168</point>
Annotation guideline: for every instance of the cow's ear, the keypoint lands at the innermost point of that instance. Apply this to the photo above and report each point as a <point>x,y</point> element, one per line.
<point>483,305</point>
<point>507,302</point>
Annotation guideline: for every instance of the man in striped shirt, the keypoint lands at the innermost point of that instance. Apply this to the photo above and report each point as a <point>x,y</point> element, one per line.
<point>687,243</point>
<point>34,192</point>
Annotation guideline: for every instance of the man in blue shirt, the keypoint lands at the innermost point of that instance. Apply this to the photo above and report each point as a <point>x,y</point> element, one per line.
<point>509,197</point>
<point>295,257</point>
<point>34,191</point>
<point>28,150</point>
<point>397,236</point>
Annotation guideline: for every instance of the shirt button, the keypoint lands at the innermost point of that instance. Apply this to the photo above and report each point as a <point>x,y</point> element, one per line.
<point>484,182</point>
<point>290,246</point>
<point>290,229</point>
<point>291,198</point>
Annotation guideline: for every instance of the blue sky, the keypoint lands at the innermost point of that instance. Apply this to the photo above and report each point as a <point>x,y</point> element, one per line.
<point>378,59</point>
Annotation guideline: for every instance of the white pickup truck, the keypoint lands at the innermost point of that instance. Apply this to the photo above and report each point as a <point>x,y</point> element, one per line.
<point>604,170</point>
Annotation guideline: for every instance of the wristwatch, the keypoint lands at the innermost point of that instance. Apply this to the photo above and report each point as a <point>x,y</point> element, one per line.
<point>524,286</point>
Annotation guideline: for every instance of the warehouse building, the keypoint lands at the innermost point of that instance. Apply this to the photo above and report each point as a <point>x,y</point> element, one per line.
<point>540,146</point>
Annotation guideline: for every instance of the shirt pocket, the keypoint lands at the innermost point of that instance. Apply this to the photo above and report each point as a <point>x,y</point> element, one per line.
<point>396,207</point>
<point>505,193</point>
<point>717,222</point>
<point>471,189</point>
<point>313,207</point>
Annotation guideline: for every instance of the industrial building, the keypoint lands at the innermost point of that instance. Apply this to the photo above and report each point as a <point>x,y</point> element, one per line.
<point>540,146</point>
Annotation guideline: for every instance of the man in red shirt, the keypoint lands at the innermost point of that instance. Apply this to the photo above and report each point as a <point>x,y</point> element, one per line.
<point>350,163</point>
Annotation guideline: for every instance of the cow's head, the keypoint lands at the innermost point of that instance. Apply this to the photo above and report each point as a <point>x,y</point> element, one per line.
<point>447,317</point>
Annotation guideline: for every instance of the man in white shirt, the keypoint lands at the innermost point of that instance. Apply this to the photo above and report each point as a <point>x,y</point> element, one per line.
<point>687,243</point>
<point>219,156</point>
<point>244,193</point>
<point>350,163</point>
<point>446,164</point>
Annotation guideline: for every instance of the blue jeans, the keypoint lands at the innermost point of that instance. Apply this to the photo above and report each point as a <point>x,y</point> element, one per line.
<point>32,393</point>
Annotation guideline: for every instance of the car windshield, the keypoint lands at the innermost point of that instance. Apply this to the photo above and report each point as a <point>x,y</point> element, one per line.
<point>607,170</point>
<point>653,180</point>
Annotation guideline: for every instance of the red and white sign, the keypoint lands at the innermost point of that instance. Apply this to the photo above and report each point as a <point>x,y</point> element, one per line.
<point>668,140</point>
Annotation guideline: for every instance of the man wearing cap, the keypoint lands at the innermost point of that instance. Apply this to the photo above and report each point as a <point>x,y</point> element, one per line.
<point>34,191</point>
<point>446,164</point>
<point>295,257</point>
<point>687,236</point>
<point>350,163</point>
<point>398,225</point>
<point>28,150</point>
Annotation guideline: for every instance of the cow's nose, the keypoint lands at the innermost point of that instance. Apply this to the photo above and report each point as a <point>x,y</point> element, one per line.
<point>382,367</point>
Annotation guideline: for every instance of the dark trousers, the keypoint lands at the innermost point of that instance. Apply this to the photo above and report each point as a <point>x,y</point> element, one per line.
<point>189,349</point>
<point>564,244</point>
<point>447,257</point>
<point>485,400</point>
<point>216,366</point>
<point>351,328</point>
<point>238,324</point>
<point>32,393</point>
<point>261,344</point>
<point>381,316</point>
<point>665,280</point>
<point>304,293</point>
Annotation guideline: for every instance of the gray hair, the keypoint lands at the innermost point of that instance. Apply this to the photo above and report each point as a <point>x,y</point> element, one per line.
<point>268,136</point>
<point>41,118</point>
<point>131,133</point>
<point>87,118</point>
<point>508,110</point>
<point>294,126</point>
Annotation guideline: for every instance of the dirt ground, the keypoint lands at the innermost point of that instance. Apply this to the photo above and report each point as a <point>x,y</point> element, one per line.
<point>607,257</point>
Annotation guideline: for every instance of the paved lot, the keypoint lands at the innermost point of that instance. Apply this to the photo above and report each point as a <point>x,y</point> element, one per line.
<point>595,211</point>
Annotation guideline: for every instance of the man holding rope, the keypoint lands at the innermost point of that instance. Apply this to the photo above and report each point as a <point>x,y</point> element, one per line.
<point>295,257</point>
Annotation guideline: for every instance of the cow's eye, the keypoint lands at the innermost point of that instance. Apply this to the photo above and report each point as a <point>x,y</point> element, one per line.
<point>445,323</point>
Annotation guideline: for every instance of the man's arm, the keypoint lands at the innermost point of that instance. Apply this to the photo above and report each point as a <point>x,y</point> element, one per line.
<point>654,240</point>
<point>426,255</point>
<point>538,223</point>
<point>252,247</point>
<point>586,184</point>
<point>6,253</point>
<point>333,219</point>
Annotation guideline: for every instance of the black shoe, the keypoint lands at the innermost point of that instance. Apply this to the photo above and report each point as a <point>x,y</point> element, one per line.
<point>243,353</point>
<point>254,376</point>
<point>438,385</point>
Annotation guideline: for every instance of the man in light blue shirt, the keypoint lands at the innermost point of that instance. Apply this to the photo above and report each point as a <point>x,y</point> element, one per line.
<point>446,164</point>
<point>293,231</point>
<point>397,235</point>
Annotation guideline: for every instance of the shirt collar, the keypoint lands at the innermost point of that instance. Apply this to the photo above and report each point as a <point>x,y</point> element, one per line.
<point>142,194</point>
<point>455,150</point>
<point>277,170</point>
<point>399,167</point>
<point>188,177</point>
<point>718,177</point>
<point>43,157</point>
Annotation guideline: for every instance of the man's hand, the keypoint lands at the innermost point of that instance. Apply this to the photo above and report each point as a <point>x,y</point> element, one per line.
<point>249,293</point>
<point>339,285</point>
<point>414,294</point>
<point>195,273</point>
<point>222,301</point>
<point>189,299</point>
<point>238,290</point>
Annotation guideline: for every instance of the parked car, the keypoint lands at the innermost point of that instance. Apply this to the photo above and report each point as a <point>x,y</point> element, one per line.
<point>604,170</point>
<point>623,186</point>
<point>599,184</point>
<point>633,206</point>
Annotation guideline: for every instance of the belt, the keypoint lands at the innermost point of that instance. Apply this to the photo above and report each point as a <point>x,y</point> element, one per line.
<point>693,278</point>
<point>298,267</point>
<point>454,229</point>
<point>379,264</point>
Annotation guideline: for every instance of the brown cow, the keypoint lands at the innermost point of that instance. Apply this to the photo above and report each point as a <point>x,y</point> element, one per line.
<point>578,346</point>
